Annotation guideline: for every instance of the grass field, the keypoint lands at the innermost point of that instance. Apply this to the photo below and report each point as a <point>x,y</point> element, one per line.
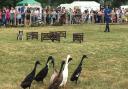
<point>105,68</point>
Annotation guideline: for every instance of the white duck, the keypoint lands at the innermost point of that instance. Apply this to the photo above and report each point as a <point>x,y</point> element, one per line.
<point>65,71</point>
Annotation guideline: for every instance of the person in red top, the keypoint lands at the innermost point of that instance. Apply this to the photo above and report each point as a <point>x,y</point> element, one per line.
<point>7,16</point>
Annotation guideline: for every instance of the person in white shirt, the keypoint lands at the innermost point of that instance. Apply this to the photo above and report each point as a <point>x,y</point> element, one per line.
<point>54,15</point>
<point>36,14</point>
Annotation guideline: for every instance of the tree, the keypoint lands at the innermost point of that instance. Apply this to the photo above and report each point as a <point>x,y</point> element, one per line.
<point>117,3</point>
<point>9,3</point>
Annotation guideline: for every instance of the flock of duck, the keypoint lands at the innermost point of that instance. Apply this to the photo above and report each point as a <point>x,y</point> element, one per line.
<point>58,78</point>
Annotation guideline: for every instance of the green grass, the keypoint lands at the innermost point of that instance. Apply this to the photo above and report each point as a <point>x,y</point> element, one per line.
<point>105,68</point>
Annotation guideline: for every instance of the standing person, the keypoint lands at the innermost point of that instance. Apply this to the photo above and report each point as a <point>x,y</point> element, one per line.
<point>19,16</point>
<point>70,15</point>
<point>126,14</point>
<point>4,17</point>
<point>36,14</point>
<point>28,16</point>
<point>44,15</point>
<point>7,16</point>
<point>113,16</point>
<point>107,14</point>
<point>12,16</point>
<point>23,15</point>
<point>92,16</point>
<point>53,14</point>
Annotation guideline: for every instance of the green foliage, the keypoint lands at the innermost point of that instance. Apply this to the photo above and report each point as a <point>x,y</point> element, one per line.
<point>115,3</point>
<point>8,3</point>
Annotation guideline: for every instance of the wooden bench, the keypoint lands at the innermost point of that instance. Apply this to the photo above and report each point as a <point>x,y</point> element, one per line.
<point>32,35</point>
<point>50,36</point>
<point>78,37</point>
<point>55,36</point>
<point>62,33</point>
<point>20,35</point>
<point>29,35</point>
<point>45,36</point>
<point>35,35</point>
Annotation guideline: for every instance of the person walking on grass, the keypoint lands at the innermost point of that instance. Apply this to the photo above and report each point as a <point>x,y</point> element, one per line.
<point>107,14</point>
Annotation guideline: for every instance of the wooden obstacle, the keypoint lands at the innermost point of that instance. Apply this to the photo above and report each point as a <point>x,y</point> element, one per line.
<point>62,33</point>
<point>32,35</point>
<point>78,37</point>
<point>53,36</point>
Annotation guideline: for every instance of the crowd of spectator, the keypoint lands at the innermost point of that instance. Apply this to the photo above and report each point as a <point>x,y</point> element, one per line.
<point>22,16</point>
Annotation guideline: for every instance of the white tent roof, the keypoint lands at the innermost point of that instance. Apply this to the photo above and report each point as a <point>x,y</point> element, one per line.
<point>67,6</point>
<point>83,5</point>
<point>124,6</point>
<point>86,5</point>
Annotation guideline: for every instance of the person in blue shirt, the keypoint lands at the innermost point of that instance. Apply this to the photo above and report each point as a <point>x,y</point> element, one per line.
<point>107,15</point>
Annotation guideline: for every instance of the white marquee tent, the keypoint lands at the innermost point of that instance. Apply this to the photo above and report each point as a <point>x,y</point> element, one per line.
<point>83,5</point>
<point>67,6</point>
<point>124,7</point>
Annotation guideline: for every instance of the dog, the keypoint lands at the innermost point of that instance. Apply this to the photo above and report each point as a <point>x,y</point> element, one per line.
<point>20,35</point>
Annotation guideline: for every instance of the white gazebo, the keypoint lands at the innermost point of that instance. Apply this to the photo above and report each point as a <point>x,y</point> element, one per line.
<point>83,5</point>
<point>124,7</point>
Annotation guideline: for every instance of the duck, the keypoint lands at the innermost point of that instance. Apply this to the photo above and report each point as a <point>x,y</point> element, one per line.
<point>65,71</point>
<point>55,73</point>
<point>77,72</point>
<point>44,71</point>
<point>26,83</point>
<point>58,79</point>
